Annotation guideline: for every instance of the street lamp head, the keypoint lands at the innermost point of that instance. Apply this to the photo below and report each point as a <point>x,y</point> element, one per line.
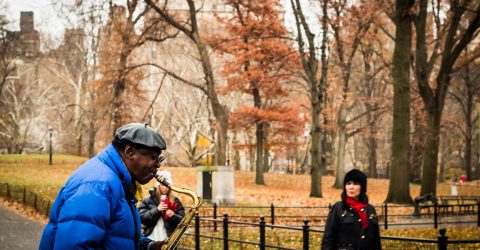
<point>50,130</point>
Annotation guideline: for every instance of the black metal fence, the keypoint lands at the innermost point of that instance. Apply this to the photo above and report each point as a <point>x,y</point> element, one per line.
<point>213,232</point>
<point>27,197</point>
<point>390,215</point>
<point>206,238</point>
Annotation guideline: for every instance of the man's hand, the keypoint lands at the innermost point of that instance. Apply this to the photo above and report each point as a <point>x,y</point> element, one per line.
<point>156,245</point>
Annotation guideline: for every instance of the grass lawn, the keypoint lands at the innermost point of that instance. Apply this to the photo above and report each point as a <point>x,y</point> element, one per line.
<point>34,172</point>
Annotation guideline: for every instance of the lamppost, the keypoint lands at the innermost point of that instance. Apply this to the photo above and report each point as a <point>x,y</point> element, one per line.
<point>228,153</point>
<point>50,130</point>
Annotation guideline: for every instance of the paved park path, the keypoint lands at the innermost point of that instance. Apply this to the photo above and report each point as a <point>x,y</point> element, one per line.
<point>18,231</point>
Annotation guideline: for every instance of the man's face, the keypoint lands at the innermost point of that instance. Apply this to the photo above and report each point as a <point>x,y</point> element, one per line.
<point>142,163</point>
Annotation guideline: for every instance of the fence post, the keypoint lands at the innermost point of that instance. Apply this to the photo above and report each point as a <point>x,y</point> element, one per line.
<point>214,217</point>
<point>48,209</point>
<point>435,215</point>
<point>306,237</point>
<point>442,239</point>
<point>8,191</point>
<point>385,221</point>
<point>197,232</point>
<point>24,194</point>
<point>272,213</point>
<point>35,203</point>
<point>262,233</point>
<point>225,232</point>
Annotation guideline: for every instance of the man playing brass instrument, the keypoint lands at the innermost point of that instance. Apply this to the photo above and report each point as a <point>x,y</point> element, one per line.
<point>96,209</point>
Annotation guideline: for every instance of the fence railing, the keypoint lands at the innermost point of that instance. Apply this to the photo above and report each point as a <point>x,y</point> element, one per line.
<point>27,197</point>
<point>390,215</point>
<point>224,239</point>
<point>311,234</point>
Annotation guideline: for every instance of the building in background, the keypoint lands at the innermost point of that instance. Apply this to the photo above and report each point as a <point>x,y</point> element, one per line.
<point>27,40</point>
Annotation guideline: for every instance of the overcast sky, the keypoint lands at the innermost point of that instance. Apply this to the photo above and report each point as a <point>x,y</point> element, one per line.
<point>45,18</point>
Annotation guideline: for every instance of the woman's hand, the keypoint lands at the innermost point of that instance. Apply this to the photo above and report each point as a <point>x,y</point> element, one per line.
<point>162,207</point>
<point>169,213</point>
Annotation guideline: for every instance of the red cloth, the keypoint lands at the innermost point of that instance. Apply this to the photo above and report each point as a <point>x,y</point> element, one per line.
<point>361,210</point>
<point>171,205</point>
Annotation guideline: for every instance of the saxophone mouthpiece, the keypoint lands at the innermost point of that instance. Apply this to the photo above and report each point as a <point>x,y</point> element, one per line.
<point>162,180</point>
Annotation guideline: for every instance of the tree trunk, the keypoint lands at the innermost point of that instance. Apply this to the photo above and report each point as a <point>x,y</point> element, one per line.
<point>259,132</point>
<point>117,105</point>
<point>468,150</point>
<point>430,156</point>
<point>372,149</point>
<point>79,142</point>
<point>342,139</point>
<point>236,160</point>
<point>316,170</point>
<point>367,51</point>
<point>316,86</point>
<point>441,164</point>
<point>91,137</point>
<point>219,111</point>
<point>236,154</point>
<point>399,189</point>
<point>77,117</point>
<point>119,88</point>
<point>469,124</point>
<point>266,155</point>
<point>416,154</point>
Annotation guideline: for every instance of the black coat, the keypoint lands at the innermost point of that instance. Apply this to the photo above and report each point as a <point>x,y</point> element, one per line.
<point>149,214</point>
<point>343,229</point>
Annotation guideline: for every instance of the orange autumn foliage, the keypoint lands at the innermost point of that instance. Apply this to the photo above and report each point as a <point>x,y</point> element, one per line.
<point>260,62</point>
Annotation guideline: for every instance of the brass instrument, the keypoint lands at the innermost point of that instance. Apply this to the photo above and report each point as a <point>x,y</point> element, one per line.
<point>177,234</point>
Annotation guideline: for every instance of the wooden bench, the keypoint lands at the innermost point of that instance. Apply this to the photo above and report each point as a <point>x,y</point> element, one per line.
<point>446,204</point>
<point>424,202</point>
<point>467,204</point>
<point>459,204</point>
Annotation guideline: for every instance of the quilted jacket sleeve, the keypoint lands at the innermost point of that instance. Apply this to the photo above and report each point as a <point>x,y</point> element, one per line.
<point>84,217</point>
<point>148,211</point>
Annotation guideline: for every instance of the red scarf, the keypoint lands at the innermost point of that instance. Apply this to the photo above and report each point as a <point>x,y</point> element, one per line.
<point>361,210</point>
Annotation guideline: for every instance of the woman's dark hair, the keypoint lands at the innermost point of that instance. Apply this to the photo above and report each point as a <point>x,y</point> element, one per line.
<point>359,177</point>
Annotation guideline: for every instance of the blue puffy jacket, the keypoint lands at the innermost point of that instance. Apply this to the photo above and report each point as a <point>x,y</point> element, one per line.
<point>92,212</point>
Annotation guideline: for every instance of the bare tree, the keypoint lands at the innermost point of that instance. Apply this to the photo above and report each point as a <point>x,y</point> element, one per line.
<point>346,49</point>
<point>22,103</point>
<point>8,57</point>
<point>191,30</point>
<point>317,84</point>
<point>464,93</point>
<point>452,35</point>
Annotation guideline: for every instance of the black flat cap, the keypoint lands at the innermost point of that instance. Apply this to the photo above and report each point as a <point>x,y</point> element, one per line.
<point>141,134</point>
